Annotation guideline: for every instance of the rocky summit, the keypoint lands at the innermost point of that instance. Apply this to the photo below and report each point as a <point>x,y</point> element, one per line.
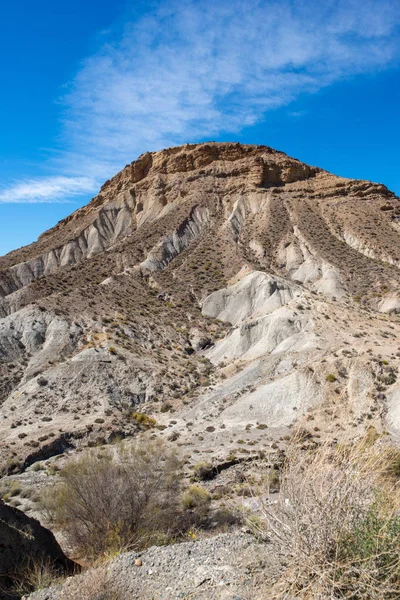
<point>218,296</point>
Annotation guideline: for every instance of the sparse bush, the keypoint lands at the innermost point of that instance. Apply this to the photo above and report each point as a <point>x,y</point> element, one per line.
<point>143,420</point>
<point>337,522</point>
<point>128,497</point>
<point>196,497</point>
<point>331,378</point>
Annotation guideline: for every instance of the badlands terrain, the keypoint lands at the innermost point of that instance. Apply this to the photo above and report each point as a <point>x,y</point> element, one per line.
<point>219,297</point>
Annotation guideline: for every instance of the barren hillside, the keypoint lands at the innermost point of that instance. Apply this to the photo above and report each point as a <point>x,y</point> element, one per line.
<point>221,281</point>
<point>217,296</point>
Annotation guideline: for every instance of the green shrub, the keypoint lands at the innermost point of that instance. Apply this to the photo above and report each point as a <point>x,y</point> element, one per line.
<point>373,546</point>
<point>331,378</point>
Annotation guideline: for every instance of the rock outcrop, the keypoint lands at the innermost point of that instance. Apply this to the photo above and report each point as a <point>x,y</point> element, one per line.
<point>23,544</point>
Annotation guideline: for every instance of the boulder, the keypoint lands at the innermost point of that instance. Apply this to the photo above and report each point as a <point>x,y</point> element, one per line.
<point>23,543</point>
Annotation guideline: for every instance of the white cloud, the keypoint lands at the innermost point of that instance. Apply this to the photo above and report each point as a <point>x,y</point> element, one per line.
<point>47,189</point>
<point>186,71</point>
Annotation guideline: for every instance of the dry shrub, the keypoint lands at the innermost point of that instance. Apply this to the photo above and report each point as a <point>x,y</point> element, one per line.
<point>96,584</point>
<point>337,522</point>
<point>125,497</point>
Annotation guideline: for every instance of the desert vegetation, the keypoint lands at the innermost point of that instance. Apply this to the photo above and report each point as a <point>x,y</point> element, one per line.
<point>35,575</point>
<point>124,497</point>
<point>337,522</point>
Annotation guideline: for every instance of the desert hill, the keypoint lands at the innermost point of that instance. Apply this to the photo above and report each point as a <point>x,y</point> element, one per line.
<point>220,281</point>
<point>217,297</point>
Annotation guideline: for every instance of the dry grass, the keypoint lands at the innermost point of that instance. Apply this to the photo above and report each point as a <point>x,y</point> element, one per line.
<point>36,575</point>
<point>337,522</point>
<point>196,497</point>
<point>94,584</point>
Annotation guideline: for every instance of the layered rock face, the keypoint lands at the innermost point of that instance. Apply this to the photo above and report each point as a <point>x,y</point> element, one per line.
<point>229,283</point>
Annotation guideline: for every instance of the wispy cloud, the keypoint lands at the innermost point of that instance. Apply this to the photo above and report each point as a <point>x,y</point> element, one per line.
<point>48,189</point>
<point>185,71</point>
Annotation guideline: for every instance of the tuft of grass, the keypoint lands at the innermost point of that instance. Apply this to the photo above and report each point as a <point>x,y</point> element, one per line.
<point>196,497</point>
<point>38,467</point>
<point>203,471</point>
<point>14,489</point>
<point>34,576</point>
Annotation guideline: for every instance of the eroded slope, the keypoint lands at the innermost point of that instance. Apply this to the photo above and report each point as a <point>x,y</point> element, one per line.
<point>230,284</point>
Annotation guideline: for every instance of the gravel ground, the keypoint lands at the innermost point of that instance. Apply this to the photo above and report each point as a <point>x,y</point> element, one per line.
<point>233,566</point>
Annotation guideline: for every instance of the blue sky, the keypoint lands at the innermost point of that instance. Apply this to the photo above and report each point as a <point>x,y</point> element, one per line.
<point>88,86</point>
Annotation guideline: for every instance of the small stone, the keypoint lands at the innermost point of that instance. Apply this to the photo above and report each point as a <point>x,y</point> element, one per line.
<point>138,562</point>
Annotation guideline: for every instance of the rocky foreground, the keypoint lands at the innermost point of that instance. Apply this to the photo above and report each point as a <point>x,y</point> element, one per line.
<point>233,566</point>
